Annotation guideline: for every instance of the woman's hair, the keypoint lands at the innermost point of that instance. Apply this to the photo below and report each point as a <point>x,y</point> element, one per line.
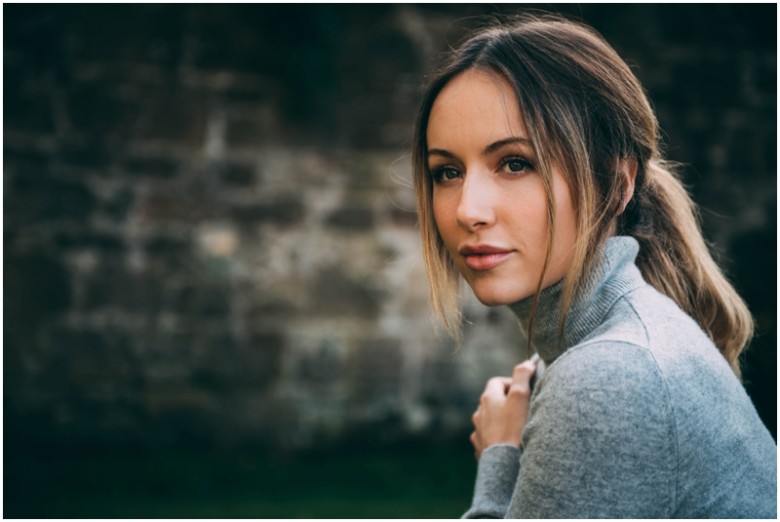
<point>587,114</point>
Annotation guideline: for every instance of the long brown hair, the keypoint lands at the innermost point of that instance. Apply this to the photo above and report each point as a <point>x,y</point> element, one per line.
<point>585,111</point>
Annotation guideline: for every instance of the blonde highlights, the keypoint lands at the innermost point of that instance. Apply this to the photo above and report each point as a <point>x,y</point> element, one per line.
<point>587,115</point>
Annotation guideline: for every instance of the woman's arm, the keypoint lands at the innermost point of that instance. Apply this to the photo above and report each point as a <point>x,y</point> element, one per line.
<point>600,441</point>
<point>498,425</point>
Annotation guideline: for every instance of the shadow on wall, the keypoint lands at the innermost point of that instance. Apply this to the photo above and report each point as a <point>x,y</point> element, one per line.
<point>210,239</point>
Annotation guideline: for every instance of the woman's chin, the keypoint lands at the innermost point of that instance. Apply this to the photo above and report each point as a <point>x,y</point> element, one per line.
<point>498,296</point>
<point>492,301</point>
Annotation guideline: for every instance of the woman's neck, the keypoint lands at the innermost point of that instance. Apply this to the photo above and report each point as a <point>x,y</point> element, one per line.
<point>613,274</point>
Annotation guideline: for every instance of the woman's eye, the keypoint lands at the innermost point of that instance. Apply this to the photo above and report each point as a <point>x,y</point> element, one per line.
<point>445,174</point>
<point>516,165</point>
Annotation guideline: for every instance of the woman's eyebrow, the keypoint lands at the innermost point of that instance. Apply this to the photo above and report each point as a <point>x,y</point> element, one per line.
<point>490,149</point>
<point>493,147</point>
<point>441,152</point>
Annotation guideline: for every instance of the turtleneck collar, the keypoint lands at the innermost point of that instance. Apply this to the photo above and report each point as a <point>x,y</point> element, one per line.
<point>612,276</point>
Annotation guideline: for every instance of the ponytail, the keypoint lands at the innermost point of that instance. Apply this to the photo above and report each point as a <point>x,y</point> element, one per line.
<point>674,258</point>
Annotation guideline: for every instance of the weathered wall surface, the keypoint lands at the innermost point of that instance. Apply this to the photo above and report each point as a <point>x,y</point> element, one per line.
<point>209,231</point>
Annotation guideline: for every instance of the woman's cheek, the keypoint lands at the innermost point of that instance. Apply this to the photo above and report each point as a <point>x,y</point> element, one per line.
<point>444,218</point>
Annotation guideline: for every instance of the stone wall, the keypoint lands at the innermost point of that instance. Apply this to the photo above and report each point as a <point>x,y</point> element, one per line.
<point>209,230</point>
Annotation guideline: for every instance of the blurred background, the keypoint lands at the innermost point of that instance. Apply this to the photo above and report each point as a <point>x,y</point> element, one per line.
<point>214,304</point>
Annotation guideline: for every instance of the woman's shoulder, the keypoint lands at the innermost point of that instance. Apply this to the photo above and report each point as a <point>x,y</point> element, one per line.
<point>614,365</point>
<point>604,407</point>
<point>646,330</point>
<point>646,358</point>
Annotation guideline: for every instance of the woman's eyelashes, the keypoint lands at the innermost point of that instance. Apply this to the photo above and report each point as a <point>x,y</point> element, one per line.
<point>515,165</point>
<point>444,174</point>
<point>509,165</point>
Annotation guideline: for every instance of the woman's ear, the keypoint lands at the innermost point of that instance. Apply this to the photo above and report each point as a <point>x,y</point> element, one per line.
<point>627,168</point>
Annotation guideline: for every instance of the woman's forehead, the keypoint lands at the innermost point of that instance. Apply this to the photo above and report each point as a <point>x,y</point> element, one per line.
<point>475,104</point>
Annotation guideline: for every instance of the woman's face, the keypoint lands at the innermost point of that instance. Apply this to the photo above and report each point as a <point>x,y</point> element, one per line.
<point>489,201</point>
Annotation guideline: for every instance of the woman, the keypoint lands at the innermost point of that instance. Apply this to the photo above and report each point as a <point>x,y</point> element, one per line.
<point>540,182</point>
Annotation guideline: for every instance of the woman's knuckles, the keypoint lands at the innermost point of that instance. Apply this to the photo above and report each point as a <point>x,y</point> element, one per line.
<point>523,372</point>
<point>519,390</point>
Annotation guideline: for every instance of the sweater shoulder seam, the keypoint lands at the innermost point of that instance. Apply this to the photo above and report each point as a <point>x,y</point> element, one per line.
<point>670,402</point>
<point>667,393</point>
<point>647,341</point>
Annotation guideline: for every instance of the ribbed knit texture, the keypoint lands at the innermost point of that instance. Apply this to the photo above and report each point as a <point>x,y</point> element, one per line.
<point>613,276</point>
<point>636,415</point>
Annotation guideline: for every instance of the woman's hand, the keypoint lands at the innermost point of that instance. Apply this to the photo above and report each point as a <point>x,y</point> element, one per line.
<point>503,409</point>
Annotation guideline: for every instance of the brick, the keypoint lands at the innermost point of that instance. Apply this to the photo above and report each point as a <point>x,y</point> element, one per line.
<point>184,405</point>
<point>273,307</point>
<point>40,198</point>
<point>752,153</point>
<point>98,113</point>
<point>750,270</point>
<point>142,33</point>
<point>439,382</point>
<point>261,358</point>
<point>352,217</point>
<point>764,79</point>
<point>28,112</point>
<point>377,371</point>
<point>78,240</point>
<point>233,174</point>
<point>363,173</point>
<point>402,217</point>
<point>338,293</point>
<point>29,171</point>
<point>37,34</point>
<point>321,365</point>
<point>92,360</point>
<point>171,115</point>
<point>248,132</point>
<point>219,368</point>
<point>37,287</point>
<point>91,154</point>
<point>117,206</point>
<point>153,167</point>
<point>287,210</point>
<point>160,245</point>
<point>202,301</point>
<point>385,55</point>
<point>239,175</point>
<point>247,39</point>
<point>17,155</point>
<point>171,257</point>
<point>169,206</point>
<point>115,286</point>
<point>686,24</point>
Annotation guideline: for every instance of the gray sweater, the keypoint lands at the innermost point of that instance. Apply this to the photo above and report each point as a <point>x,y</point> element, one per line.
<point>637,415</point>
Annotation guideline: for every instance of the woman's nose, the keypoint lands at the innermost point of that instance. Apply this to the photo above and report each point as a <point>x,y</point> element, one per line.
<point>476,206</point>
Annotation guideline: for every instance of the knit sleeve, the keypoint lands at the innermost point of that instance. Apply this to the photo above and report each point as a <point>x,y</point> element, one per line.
<point>600,441</point>
<point>496,478</point>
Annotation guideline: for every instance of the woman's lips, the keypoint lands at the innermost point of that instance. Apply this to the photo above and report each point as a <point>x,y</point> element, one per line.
<point>484,257</point>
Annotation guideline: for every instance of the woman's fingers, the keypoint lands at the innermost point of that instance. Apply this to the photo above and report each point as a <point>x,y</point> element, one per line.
<point>523,372</point>
<point>474,438</point>
<point>503,409</point>
<point>521,379</point>
<point>495,390</point>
